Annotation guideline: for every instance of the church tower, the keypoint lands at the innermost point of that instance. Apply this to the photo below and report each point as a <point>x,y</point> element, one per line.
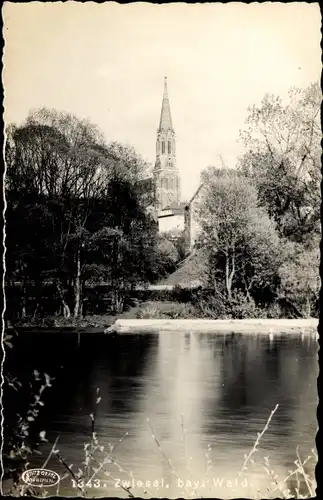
<point>166,176</point>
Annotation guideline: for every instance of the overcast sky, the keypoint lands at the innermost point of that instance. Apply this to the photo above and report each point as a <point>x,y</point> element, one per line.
<point>107,62</point>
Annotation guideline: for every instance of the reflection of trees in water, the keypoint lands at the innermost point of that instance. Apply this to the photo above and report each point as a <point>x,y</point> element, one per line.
<point>115,365</point>
<point>118,367</point>
<point>257,374</point>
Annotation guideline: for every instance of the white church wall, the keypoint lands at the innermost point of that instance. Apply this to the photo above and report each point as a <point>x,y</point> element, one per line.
<point>170,223</point>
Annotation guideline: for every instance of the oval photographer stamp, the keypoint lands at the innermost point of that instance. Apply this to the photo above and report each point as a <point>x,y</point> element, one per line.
<point>40,477</point>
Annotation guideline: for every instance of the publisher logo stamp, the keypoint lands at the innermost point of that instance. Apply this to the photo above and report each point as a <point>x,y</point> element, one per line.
<point>40,477</point>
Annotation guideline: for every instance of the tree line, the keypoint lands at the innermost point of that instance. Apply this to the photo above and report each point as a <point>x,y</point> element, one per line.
<point>80,211</point>
<point>77,213</point>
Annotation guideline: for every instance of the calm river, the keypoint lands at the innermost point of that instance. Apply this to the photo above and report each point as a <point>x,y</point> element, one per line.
<point>221,387</point>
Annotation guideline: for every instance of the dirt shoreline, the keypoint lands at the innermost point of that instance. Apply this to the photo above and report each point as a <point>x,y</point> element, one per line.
<point>267,326</point>
<point>126,324</point>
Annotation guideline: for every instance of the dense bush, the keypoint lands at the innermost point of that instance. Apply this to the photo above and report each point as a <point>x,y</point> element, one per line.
<point>167,310</point>
<point>241,307</point>
<point>209,307</point>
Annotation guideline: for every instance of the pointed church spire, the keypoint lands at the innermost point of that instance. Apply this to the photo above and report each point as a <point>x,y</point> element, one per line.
<point>166,176</point>
<point>165,122</point>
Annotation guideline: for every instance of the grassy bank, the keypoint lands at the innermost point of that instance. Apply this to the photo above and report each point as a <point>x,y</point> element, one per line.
<point>203,310</point>
<point>163,310</point>
<point>91,321</point>
<point>147,309</point>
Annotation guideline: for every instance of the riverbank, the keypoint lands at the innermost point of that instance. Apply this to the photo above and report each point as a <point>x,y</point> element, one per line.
<point>152,316</point>
<point>95,322</point>
<point>88,323</point>
<point>256,326</point>
<point>125,324</point>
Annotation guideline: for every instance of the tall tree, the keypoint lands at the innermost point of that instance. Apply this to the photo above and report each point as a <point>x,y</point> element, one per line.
<point>126,246</point>
<point>55,161</point>
<point>283,157</point>
<point>237,236</point>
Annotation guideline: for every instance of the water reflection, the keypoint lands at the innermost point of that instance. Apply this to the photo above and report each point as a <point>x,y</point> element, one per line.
<point>220,387</point>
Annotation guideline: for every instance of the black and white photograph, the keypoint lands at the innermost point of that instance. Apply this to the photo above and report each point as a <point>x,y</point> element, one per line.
<point>162,234</point>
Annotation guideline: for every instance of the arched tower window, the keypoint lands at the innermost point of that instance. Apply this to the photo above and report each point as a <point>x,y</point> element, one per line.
<point>163,147</point>
<point>169,147</point>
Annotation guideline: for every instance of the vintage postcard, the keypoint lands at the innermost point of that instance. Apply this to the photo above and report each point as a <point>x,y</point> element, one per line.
<point>162,230</point>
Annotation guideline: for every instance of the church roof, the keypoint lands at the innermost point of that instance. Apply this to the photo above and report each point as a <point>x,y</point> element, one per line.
<point>190,272</point>
<point>165,122</point>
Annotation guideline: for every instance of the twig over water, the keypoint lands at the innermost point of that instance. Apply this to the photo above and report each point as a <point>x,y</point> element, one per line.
<point>165,457</point>
<point>259,436</point>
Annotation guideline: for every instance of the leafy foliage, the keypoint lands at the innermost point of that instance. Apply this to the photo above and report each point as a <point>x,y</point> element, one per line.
<point>283,158</point>
<point>239,239</point>
<point>300,282</point>
<point>86,209</point>
<point>260,225</point>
